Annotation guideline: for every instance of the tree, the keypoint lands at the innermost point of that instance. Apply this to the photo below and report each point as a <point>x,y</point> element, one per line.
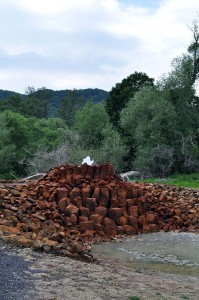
<point>150,121</point>
<point>112,150</point>
<point>37,102</point>
<point>47,133</point>
<point>179,90</point>
<point>122,92</point>
<point>23,139</point>
<point>34,107</point>
<point>17,126</point>
<point>46,156</point>
<point>30,90</point>
<point>194,50</point>
<point>69,106</point>
<point>13,103</point>
<point>7,149</point>
<point>155,161</point>
<point>89,124</point>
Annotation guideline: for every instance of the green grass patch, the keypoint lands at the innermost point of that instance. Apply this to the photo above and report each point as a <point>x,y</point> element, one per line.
<point>134,298</point>
<point>182,180</point>
<point>184,297</point>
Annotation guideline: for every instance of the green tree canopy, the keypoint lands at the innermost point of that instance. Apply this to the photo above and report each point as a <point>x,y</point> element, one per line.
<point>193,49</point>
<point>48,133</point>
<point>179,90</point>
<point>150,120</point>
<point>113,149</point>
<point>37,102</point>
<point>21,137</point>
<point>69,106</point>
<point>122,92</point>
<point>7,149</point>
<point>89,123</point>
<point>13,103</point>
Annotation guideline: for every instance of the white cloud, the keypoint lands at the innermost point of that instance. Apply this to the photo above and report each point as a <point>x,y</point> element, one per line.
<point>92,43</point>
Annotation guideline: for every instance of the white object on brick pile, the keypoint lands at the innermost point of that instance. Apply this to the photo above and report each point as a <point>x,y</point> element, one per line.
<point>87,161</point>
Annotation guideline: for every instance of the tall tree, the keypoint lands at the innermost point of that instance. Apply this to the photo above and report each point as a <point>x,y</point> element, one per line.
<point>13,103</point>
<point>34,107</point>
<point>69,106</point>
<point>122,92</point>
<point>7,149</point>
<point>37,102</point>
<point>179,90</point>
<point>194,50</point>
<point>89,123</point>
<point>150,121</point>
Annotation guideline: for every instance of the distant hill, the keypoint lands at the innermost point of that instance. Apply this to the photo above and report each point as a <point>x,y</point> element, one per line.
<point>94,95</point>
<point>4,94</point>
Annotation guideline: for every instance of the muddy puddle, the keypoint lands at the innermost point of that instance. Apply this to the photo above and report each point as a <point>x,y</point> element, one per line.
<point>176,253</point>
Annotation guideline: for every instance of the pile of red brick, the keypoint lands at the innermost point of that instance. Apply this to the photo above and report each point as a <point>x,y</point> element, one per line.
<point>72,205</point>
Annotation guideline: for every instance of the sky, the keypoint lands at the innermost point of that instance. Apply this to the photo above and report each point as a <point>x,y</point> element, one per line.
<point>73,44</point>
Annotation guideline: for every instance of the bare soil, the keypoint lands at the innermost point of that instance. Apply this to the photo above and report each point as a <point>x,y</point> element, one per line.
<point>59,278</point>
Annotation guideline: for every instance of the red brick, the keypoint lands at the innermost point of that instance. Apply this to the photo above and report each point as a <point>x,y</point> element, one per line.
<point>90,203</point>
<point>102,211</point>
<point>97,219</point>
<point>129,230</point>
<point>115,214</point>
<point>71,209</point>
<point>133,211</point>
<point>84,211</point>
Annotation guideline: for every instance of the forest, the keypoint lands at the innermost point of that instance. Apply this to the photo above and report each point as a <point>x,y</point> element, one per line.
<point>141,124</point>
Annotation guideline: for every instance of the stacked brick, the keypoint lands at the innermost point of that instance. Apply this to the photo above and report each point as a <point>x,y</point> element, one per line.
<point>73,205</point>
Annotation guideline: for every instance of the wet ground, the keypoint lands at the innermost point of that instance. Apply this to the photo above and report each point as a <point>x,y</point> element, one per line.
<point>161,251</point>
<point>30,275</point>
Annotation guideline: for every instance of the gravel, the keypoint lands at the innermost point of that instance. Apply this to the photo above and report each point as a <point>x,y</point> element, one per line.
<point>15,278</point>
<point>31,275</point>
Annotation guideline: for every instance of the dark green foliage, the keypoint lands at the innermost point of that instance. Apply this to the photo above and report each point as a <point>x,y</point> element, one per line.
<point>41,93</point>
<point>69,106</point>
<point>89,124</point>
<point>122,92</point>
<point>150,122</point>
<point>93,95</point>
<point>37,102</point>
<point>49,99</point>
<point>7,148</point>
<point>35,107</point>
<point>5,94</point>
<point>13,103</point>
<point>179,90</point>
<point>17,126</point>
<point>113,149</point>
<point>21,137</point>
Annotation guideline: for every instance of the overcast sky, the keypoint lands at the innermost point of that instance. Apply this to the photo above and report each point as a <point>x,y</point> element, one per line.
<point>66,44</point>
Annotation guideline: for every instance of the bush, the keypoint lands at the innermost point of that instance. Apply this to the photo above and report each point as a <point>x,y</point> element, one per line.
<point>155,162</point>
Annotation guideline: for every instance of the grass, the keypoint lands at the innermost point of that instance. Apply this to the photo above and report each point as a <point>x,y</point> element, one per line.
<point>184,297</point>
<point>134,298</point>
<point>182,180</point>
<point>160,295</point>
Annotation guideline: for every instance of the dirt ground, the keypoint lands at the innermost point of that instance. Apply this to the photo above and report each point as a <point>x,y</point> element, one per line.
<point>49,277</point>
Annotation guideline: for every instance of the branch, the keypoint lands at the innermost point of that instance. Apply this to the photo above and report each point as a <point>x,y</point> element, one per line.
<point>35,175</point>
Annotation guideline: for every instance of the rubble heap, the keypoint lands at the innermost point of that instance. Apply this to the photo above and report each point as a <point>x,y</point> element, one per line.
<point>73,205</point>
